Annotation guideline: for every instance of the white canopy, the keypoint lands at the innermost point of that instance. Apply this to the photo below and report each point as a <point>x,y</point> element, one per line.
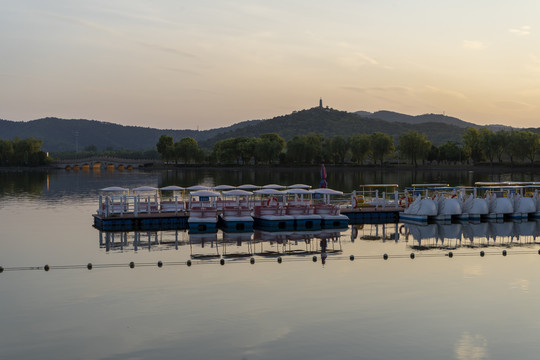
<point>224,187</point>
<point>298,191</point>
<point>273,186</point>
<point>299,186</point>
<point>197,187</point>
<point>248,187</point>
<point>114,188</point>
<point>269,192</point>
<point>172,188</point>
<point>237,192</point>
<point>326,191</point>
<point>145,188</point>
<point>204,193</point>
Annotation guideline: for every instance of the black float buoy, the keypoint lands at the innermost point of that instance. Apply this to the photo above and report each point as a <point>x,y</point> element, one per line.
<point>89,266</point>
<point>450,254</point>
<point>252,260</point>
<point>1,269</point>
<point>222,261</point>
<point>46,268</point>
<point>385,256</point>
<point>188,263</point>
<point>538,252</point>
<point>314,259</point>
<point>412,255</point>
<point>131,265</point>
<point>159,263</point>
<point>482,253</point>
<point>351,257</point>
<point>279,259</point>
<point>504,253</point>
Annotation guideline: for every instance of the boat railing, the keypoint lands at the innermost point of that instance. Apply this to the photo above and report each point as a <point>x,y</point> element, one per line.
<point>376,198</point>
<point>203,212</point>
<point>236,211</point>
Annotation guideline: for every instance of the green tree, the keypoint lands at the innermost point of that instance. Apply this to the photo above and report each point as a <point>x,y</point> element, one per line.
<point>227,151</point>
<point>413,146</point>
<point>473,147</point>
<point>339,148</point>
<point>512,146</point>
<point>381,146</point>
<point>295,150</point>
<point>360,146</point>
<point>490,144</point>
<point>165,147</point>
<point>269,147</point>
<point>451,151</point>
<point>186,149</point>
<point>6,152</point>
<point>531,144</point>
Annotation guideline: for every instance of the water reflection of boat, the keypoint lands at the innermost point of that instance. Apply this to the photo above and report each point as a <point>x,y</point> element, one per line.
<point>273,243</point>
<point>237,244</point>
<point>445,236</point>
<point>204,246</point>
<point>378,232</point>
<point>136,240</point>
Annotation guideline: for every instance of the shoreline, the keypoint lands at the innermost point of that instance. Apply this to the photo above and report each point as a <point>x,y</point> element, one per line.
<point>409,168</point>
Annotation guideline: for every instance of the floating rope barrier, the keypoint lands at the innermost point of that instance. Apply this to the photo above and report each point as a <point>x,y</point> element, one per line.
<point>252,260</point>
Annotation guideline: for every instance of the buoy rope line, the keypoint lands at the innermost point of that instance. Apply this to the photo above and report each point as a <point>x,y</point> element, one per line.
<point>253,260</point>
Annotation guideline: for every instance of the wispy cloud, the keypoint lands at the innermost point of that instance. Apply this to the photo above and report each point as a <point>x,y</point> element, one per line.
<point>445,92</point>
<point>473,44</point>
<point>85,23</point>
<point>514,105</point>
<point>380,89</point>
<point>356,60</point>
<point>166,49</point>
<point>521,31</point>
<point>178,70</point>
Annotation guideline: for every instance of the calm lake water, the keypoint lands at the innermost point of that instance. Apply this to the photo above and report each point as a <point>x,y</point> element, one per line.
<point>431,307</point>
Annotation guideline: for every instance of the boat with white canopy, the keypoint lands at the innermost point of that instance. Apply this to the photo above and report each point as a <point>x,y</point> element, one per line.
<point>236,215</point>
<point>203,211</point>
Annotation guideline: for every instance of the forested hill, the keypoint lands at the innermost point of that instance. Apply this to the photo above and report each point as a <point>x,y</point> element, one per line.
<point>330,122</point>
<point>67,135</point>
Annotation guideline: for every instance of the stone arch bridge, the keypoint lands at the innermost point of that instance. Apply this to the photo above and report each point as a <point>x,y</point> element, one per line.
<point>104,162</point>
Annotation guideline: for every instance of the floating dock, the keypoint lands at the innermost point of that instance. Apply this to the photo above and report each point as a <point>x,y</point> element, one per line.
<point>172,221</point>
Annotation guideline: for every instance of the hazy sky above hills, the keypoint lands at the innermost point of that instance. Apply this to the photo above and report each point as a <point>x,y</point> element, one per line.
<point>208,63</point>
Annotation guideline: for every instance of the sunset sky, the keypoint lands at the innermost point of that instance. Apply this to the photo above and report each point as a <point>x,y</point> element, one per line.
<point>205,64</point>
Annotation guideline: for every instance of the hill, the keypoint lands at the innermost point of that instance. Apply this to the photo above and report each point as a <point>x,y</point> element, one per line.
<point>391,116</point>
<point>329,123</point>
<point>69,135</point>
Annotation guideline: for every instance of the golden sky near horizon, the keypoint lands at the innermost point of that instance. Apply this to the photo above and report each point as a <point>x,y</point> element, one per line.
<point>208,63</point>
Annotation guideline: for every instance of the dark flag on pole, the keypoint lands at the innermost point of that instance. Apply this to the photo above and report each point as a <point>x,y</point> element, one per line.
<point>323,183</point>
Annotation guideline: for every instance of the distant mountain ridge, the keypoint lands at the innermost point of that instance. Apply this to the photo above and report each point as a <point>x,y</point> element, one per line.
<point>425,118</point>
<point>76,134</point>
<point>71,134</point>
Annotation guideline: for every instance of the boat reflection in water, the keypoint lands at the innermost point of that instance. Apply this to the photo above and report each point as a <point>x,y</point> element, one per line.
<point>470,235</point>
<point>234,245</point>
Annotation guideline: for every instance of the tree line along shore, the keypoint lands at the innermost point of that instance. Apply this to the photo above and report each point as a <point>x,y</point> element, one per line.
<point>478,146</point>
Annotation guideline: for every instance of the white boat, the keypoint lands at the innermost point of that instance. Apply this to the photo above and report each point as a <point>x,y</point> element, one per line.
<point>423,207</point>
<point>302,210</point>
<point>448,207</point>
<point>420,210</point>
<point>473,208</point>
<point>203,212</point>
<point>270,214</point>
<point>331,214</point>
<point>236,216</point>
